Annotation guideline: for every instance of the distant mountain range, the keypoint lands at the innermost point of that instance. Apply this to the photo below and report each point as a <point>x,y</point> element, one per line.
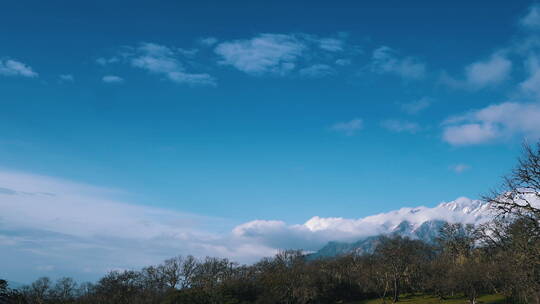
<point>15,285</point>
<point>420,223</point>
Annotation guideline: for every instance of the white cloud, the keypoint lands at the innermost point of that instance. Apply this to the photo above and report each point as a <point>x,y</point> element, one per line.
<point>349,128</point>
<point>494,122</point>
<point>162,60</point>
<point>490,72</point>
<point>9,67</point>
<point>317,71</point>
<point>112,79</point>
<point>481,74</point>
<point>64,227</point>
<point>75,227</point>
<point>531,86</point>
<point>460,168</point>
<point>317,231</point>
<point>387,61</point>
<point>281,54</point>
<point>532,18</point>
<point>266,53</point>
<point>400,126</point>
<point>417,106</point>
<point>469,134</point>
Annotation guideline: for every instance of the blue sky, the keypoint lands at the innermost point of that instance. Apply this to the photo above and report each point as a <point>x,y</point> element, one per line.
<point>222,114</point>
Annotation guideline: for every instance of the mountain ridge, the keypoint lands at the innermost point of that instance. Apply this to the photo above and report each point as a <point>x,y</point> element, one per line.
<point>422,223</point>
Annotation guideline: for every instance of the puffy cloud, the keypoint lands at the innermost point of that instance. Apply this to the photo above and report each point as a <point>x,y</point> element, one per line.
<point>417,106</point>
<point>493,122</point>
<point>481,74</point>
<point>112,79</point>
<point>349,128</point>
<point>280,54</point>
<point>400,126</point>
<point>532,19</point>
<point>317,231</point>
<point>386,60</point>
<point>9,67</point>
<point>490,72</point>
<point>162,60</point>
<point>275,53</point>
<point>467,134</point>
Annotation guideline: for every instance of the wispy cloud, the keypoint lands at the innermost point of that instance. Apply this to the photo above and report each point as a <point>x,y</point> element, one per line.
<point>10,67</point>
<point>343,61</point>
<point>208,41</point>
<point>417,106</point>
<point>317,71</point>
<point>532,19</point>
<point>349,128</point>
<point>112,79</point>
<point>105,61</point>
<point>460,168</point>
<point>386,60</point>
<point>331,44</point>
<point>531,85</point>
<point>67,78</point>
<point>58,226</point>
<point>162,60</point>
<point>74,227</point>
<point>400,126</point>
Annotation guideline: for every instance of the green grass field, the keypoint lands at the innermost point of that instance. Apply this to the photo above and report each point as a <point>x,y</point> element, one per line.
<point>488,299</point>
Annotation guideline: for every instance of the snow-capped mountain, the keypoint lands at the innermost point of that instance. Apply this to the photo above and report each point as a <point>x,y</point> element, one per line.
<point>421,223</point>
<point>342,234</point>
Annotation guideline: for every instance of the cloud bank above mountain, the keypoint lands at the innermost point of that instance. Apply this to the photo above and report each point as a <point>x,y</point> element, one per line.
<point>61,227</point>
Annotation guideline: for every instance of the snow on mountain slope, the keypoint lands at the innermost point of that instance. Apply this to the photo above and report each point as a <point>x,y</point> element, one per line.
<point>421,222</point>
<point>461,210</point>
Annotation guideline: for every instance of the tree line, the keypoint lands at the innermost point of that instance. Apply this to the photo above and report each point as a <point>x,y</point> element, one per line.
<point>501,257</point>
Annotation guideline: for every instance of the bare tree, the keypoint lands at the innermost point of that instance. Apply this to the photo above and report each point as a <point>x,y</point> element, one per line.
<point>172,271</point>
<point>517,231</point>
<point>399,258</point>
<point>520,192</point>
<point>40,290</point>
<point>189,266</point>
<point>64,290</point>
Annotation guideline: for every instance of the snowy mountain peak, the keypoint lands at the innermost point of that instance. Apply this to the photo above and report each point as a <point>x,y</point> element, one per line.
<point>422,223</point>
<point>466,206</point>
